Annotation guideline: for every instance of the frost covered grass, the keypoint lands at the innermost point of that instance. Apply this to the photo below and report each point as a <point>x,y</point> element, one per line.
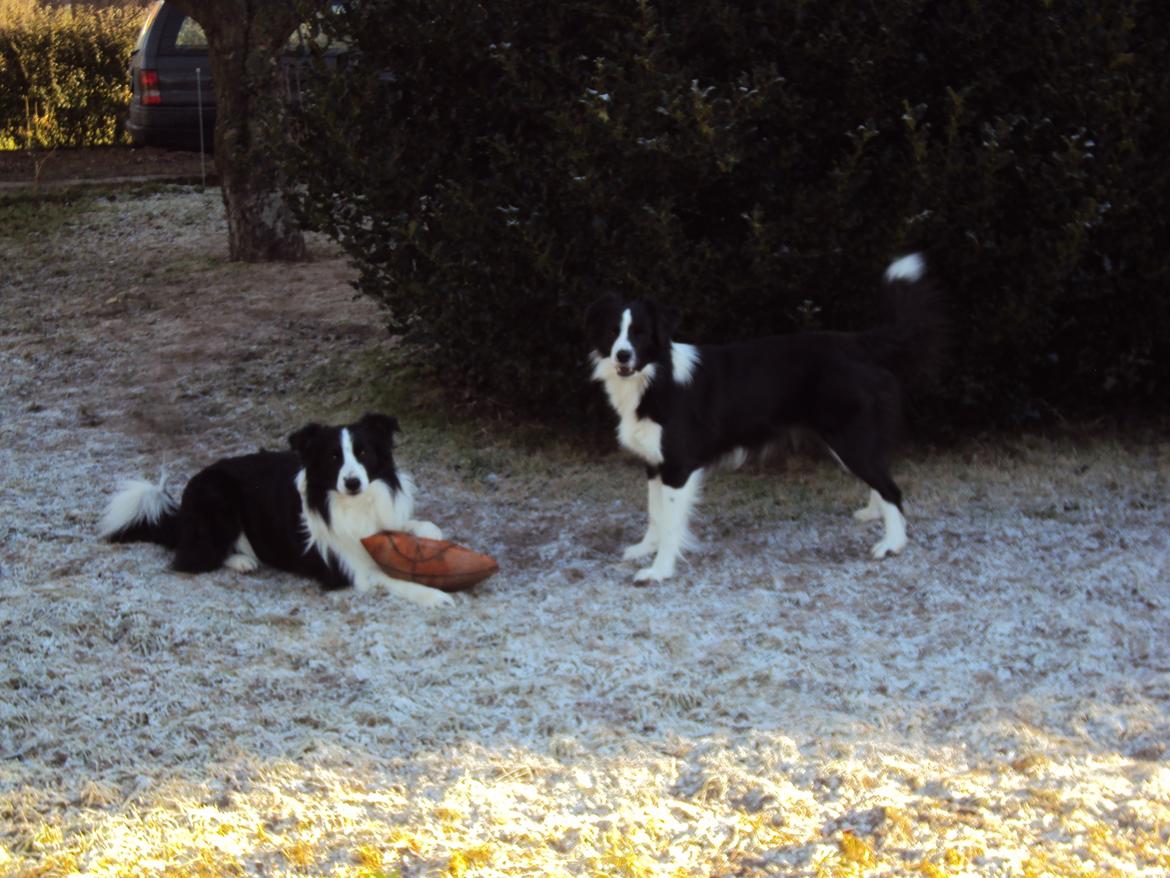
<point>994,702</point>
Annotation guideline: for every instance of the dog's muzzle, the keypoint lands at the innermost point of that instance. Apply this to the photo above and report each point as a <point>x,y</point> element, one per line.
<point>624,360</point>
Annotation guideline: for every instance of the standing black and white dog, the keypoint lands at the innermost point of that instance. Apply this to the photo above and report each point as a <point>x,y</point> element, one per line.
<point>304,511</point>
<point>682,407</point>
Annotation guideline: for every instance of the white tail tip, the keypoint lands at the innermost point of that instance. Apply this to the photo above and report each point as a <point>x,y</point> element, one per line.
<point>137,500</point>
<point>909,268</point>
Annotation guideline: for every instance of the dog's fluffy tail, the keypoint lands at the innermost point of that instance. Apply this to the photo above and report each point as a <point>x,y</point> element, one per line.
<point>141,511</point>
<point>912,343</point>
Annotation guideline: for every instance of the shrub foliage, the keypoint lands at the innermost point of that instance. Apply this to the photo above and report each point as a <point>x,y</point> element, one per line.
<point>63,73</point>
<point>492,168</point>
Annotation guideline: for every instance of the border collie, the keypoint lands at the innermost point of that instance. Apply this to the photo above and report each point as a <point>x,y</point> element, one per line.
<point>682,407</point>
<point>304,511</point>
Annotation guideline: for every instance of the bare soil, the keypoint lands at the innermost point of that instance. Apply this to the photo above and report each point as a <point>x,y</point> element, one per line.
<point>18,168</point>
<point>995,701</point>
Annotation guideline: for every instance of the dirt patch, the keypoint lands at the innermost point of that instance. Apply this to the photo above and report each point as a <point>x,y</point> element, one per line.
<point>19,167</point>
<point>996,701</point>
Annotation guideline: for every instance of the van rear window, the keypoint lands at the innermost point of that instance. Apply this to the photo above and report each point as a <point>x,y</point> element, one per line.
<point>190,36</point>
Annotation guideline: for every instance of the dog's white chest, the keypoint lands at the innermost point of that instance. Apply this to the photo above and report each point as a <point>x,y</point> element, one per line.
<point>641,436</point>
<point>355,517</point>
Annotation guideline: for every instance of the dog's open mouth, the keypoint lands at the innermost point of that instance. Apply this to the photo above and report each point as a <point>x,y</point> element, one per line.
<point>625,371</point>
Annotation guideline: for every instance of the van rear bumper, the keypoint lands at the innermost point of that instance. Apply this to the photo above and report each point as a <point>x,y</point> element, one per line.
<point>170,126</point>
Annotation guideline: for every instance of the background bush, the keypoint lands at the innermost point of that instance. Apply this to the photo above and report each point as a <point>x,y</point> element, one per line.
<point>492,169</point>
<point>63,73</point>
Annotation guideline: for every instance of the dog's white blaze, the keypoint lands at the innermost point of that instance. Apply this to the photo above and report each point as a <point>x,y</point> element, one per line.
<point>350,468</point>
<point>683,360</point>
<point>909,268</point>
<point>137,501</point>
<point>622,343</point>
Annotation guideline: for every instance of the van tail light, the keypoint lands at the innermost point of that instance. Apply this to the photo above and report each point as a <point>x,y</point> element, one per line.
<point>148,91</point>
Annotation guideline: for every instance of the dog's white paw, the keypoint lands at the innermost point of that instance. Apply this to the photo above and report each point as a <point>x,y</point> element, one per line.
<point>887,546</point>
<point>242,563</point>
<point>640,550</point>
<point>427,530</point>
<point>654,573</point>
<point>867,513</point>
<point>432,598</point>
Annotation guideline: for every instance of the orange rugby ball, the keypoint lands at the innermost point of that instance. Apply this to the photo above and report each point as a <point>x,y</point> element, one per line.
<point>439,564</point>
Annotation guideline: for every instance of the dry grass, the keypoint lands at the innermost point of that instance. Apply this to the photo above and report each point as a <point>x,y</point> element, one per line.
<point>995,702</point>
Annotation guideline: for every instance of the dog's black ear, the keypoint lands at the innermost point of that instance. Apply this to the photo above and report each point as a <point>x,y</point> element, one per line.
<point>601,316</point>
<point>383,426</point>
<point>303,440</point>
<point>665,319</point>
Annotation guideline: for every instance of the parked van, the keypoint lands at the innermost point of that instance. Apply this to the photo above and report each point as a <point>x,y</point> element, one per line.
<point>172,100</point>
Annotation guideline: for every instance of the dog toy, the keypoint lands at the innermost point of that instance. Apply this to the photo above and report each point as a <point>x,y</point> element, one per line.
<point>439,564</point>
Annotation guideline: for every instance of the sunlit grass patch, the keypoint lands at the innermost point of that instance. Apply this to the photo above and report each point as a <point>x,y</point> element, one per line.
<point>855,857</point>
<point>465,861</point>
<point>621,856</point>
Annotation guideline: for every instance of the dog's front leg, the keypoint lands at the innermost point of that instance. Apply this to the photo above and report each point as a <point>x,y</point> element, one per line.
<point>367,575</point>
<point>654,509</point>
<point>673,535</point>
<point>365,580</point>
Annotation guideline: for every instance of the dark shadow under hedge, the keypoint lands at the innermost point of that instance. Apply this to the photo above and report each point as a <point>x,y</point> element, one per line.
<point>492,169</point>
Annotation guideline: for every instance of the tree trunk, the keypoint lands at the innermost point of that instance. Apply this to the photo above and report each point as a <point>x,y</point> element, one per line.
<point>246,40</point>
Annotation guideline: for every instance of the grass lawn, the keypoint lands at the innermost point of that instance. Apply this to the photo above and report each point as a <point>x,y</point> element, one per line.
<point>996,701</point>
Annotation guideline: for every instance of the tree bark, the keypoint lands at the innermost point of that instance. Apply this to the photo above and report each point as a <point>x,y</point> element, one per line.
<point>246,39</point>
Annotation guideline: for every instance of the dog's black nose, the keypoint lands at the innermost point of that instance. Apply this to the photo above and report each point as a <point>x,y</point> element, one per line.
<point>622,356</point>
<point>353,485</point>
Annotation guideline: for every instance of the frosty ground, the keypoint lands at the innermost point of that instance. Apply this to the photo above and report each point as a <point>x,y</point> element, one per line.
<point>996,701</point>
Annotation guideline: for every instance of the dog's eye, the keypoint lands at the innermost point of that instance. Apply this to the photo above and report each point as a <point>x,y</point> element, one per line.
<point>635,330</point>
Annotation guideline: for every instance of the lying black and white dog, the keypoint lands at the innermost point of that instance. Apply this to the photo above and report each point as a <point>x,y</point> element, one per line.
<point>304,510</point>
<point>682,407</point>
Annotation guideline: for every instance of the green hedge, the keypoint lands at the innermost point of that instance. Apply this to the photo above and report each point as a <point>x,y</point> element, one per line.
<point>63,73</point>
<point>492,168</point>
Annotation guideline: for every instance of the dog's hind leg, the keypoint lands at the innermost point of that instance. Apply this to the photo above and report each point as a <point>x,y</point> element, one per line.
<point>673,535</point>
<point>209,523</point>
<point>243,558</point>
<point>862,457</point>
<point>858,418</point>
<point>894,539</point>
<point>871,511</point>
<point>649,543</point>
